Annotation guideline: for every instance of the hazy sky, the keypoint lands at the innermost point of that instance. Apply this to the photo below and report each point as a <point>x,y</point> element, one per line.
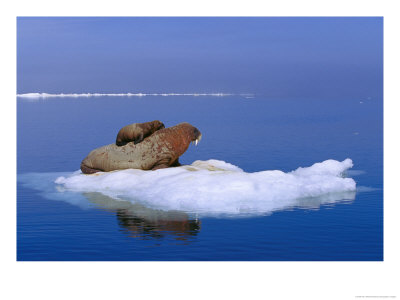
<point>279,57</point>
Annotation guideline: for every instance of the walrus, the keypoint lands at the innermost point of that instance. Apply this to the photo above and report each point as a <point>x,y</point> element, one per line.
<point>160,150</point>
<point>137,132</point>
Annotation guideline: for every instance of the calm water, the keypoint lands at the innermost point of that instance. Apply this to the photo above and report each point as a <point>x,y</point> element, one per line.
<point>256,134</point>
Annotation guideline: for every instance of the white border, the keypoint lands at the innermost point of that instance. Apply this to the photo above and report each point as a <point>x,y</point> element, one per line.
<point>262,280</point>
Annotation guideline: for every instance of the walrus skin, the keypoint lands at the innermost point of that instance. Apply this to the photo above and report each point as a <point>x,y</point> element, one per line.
<point>137,132</point>
<point>160,150</point>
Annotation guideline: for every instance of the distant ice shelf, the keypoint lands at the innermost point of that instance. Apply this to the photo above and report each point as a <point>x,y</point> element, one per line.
<point>79,95</point>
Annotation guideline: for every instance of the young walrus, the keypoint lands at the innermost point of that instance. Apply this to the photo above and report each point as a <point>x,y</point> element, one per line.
<point>160,150</point>
<point>137,132</point>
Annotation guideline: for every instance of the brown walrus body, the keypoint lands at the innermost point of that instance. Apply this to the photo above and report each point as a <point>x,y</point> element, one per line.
<point>160,150</point>
<point>137,132</point>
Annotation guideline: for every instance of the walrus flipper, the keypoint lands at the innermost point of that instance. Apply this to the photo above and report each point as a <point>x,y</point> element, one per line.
<point>86,170</point>
<point>176,163</point>
<point>139,139</point>
<point>162,166</point>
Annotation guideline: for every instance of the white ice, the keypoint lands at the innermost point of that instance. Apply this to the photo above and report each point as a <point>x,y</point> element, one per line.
<point>86,95</point>
<point>216,187</point>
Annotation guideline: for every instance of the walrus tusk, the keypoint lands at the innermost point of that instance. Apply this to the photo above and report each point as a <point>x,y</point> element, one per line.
<point>196,141</point>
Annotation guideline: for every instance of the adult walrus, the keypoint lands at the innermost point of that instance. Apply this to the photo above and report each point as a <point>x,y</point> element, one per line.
<point>160,150</point>
<point>137,132</point>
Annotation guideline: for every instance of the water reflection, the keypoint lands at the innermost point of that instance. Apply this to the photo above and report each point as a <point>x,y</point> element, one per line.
<point>146,223</point>
<point>315,203</point>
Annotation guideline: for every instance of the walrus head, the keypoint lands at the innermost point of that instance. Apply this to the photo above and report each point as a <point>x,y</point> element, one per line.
<point>196,136</point>
<point>191,133</point>
<point>157,125</point>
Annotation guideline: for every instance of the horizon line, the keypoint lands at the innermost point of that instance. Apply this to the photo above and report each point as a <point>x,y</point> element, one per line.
<point>77,95</point>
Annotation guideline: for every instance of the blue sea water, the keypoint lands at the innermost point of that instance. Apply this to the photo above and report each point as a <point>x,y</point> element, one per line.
<point>255,133</point>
